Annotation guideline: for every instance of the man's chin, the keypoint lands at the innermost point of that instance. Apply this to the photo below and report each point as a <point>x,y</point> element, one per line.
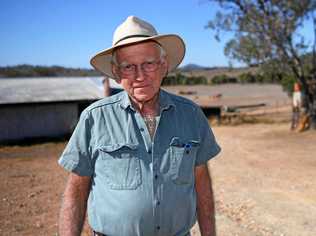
<point>143,97</point>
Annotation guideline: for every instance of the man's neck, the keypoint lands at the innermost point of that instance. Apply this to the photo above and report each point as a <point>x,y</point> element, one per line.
<point>147,108</point>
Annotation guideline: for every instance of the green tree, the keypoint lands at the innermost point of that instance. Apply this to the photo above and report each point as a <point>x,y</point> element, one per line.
<point>267,30</point>
<point>220,79</point>
<point>247,78</point>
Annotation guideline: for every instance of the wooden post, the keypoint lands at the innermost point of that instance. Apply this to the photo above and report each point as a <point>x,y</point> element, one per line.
<point>106,85</point>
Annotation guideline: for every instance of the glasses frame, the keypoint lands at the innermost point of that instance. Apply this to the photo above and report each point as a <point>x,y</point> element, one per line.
<point>136,67</point>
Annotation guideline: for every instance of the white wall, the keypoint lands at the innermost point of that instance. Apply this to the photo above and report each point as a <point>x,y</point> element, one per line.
<point>39,120</point>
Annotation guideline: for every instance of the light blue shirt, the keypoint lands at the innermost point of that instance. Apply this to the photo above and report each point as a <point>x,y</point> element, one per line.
<point>140,187</point>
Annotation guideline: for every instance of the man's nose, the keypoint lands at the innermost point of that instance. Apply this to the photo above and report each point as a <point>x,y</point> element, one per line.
<point>139,73</point>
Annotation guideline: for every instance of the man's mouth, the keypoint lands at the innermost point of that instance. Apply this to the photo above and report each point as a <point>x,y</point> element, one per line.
<point>141,86</point>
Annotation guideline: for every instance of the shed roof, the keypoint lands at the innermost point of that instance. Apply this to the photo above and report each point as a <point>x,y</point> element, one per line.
<point>38,90</point>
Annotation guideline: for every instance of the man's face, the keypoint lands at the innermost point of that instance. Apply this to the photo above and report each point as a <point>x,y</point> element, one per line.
<point>140,70</point>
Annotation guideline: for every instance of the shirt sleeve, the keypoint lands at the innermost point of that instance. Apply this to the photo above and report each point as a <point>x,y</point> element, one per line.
<point>77,155</point>
<point>208,146</point>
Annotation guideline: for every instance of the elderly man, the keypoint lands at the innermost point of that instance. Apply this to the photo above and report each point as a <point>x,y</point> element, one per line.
<point>138,158</point>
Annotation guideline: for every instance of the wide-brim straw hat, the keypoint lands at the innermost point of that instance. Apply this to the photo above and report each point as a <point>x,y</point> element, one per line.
<point>135,30</point>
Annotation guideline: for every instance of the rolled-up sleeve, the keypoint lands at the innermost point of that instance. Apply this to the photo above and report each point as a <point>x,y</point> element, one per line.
<point>77,155</point>
<point>208,147</point>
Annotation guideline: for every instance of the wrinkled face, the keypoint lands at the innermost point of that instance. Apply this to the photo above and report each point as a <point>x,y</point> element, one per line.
<point>140,70</point>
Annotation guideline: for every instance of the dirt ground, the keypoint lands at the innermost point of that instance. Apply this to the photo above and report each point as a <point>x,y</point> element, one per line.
<point>264,183</point>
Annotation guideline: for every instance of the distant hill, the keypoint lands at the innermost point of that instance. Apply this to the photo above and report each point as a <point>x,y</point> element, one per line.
<point>190,67</point>
<point>194,70</point>
<point>44,71</point>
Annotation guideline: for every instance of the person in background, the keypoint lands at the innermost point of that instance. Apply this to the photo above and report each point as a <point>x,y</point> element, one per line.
<point>138,159</point>
<point>296,106</point>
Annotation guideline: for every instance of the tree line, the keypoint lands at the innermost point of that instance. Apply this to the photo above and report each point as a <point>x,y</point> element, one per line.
<point>262,77</point>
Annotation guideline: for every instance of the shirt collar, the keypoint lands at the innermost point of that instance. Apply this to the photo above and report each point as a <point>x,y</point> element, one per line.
<point>165,101</point>
<point>126,102</point>
<point>164,98</point>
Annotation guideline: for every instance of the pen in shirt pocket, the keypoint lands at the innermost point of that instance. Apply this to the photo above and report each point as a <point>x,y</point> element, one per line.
<point>187,148</point>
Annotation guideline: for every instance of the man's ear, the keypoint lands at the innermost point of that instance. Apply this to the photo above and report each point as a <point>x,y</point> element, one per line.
<point>115,72</point>
<point>164,67</point>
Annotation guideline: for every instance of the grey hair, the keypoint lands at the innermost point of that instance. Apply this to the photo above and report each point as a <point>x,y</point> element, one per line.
<point>162,53</point>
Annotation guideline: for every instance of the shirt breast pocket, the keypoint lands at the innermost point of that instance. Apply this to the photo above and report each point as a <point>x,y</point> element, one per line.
<point>121,166</point>
<point>183,155</point>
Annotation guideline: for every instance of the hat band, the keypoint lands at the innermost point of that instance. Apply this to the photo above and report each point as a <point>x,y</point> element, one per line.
<point>133,36</point>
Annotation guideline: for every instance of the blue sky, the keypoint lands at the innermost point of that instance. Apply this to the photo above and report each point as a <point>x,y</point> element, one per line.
<point>69,32</point>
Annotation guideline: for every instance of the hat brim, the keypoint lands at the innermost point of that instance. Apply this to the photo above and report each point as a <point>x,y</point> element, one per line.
<point>171,43</point>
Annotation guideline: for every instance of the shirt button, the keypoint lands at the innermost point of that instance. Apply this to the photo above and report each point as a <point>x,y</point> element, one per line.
<point>156,176</point>
<point>158,227</point>
<point>158,203</point>
<point>149,151</point>
<point>141,129</point>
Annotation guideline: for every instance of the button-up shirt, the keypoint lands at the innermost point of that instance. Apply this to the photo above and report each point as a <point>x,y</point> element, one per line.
<point>140,186</point>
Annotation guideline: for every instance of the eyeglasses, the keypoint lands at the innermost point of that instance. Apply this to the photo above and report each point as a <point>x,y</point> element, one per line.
<point>148,66</point>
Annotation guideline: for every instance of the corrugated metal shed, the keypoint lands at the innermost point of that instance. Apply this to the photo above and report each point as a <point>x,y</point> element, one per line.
<point>38,90</point>
<point>43,107</point>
